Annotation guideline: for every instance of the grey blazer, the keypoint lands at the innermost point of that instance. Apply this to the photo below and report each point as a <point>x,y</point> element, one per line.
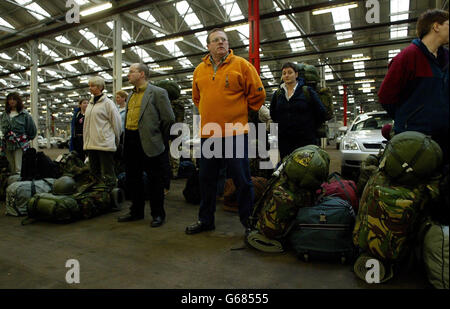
<point>155,119</point>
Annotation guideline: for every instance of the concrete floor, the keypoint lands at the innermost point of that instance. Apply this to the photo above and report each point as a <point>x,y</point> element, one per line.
<point>133,255</point>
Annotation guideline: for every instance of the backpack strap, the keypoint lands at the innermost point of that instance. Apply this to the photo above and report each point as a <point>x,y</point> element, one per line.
<point>33,187</point>
<point>306,93</point>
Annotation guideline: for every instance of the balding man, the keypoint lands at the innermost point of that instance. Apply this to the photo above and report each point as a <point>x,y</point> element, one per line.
<point>148,119</point>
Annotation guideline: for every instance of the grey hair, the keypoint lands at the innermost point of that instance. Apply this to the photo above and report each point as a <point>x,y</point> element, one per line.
<point>143,68</point>
<point>97,81</point>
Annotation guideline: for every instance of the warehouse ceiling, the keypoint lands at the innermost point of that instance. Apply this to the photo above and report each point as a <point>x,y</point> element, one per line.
<point>170,36</point>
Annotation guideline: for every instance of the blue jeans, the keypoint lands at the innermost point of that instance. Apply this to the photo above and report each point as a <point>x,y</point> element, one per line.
<point>238,169</point>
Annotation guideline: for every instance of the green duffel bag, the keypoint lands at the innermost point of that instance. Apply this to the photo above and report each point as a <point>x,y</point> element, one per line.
<point>307,167</point>
<point>52,208</point>
<point>411,158</point>
<point>387,219</point>
<point>434,252</point>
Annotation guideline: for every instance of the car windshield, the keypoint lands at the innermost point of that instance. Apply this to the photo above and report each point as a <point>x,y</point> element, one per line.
<point>374,122</point>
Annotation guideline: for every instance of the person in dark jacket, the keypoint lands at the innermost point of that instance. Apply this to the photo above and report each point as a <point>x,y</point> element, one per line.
<point>18,130</point>
<point>297,117</point>
<point>76,129</point>
<point>414,91</point>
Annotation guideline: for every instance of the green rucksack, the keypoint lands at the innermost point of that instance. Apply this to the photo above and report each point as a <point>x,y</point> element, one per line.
<point>311,76</point>
<point>388,217</point>
<point>307,167</point>
<point>172,88</point>
<point>94,199</point>
<point>52,208</point>
<point>275,211</point>
<point>411,158</point>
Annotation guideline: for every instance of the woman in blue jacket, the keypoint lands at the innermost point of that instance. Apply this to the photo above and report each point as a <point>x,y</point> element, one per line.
<point>76,137</point>
<point>18,130</point>
<point>297,117</point>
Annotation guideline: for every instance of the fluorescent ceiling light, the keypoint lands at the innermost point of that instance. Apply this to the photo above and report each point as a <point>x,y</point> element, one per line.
<point>329,9</point>
<point>365,88</point>
<point>162,42</point>
<point>127,87</point>
<point>356,59</point>
<point>162,68</point>
<point>363,81</point>
<point>96,9</point>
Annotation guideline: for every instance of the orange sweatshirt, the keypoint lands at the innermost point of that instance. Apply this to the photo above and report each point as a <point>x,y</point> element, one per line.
<point>225,97</point>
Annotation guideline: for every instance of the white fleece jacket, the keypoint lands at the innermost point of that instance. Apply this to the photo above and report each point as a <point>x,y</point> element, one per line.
<point>102,125</point>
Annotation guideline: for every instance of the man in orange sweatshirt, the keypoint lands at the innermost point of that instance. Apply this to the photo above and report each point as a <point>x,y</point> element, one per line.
<point>224,87</point>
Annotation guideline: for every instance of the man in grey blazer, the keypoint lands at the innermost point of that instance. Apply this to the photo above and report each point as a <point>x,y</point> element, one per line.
<point>148,118</point>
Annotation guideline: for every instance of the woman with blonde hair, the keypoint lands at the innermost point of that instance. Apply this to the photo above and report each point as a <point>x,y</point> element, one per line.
<point>101,132</point>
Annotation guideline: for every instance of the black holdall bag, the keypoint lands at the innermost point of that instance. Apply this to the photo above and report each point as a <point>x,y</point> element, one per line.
<point>37,165</point>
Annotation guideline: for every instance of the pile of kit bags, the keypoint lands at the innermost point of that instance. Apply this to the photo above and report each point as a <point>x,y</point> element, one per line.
<point>68,193</point>
<point>396,213</point>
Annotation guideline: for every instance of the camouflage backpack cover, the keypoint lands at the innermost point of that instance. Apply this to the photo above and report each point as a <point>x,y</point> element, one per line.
<point>411,158</point>
<point>387,217</point>
<point>307,167</point>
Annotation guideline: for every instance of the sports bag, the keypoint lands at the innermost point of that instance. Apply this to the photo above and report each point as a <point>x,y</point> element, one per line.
<point>324,231</point>
<point>185,169</point>
<point>387,217</point>
<point>345,189</point>
<point>307,167</point>
<point>18,194</point>
<point>435,253</point>
<point>52,208</point>
<point>411,158</point>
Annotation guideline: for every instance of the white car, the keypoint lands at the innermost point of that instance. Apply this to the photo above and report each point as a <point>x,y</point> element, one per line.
<point>362,139</point>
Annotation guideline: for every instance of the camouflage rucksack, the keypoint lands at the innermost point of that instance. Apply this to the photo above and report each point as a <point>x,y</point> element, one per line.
<point>178,106</point>
<point>93,199</point>
<point>275,211</point>
<point>387,217</point>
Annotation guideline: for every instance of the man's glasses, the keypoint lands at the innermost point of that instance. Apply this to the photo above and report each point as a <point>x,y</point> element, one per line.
<point>217,40</point>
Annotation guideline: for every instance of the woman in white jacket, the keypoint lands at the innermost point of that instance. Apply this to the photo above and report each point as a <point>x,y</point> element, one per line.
<point>101,132</point>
